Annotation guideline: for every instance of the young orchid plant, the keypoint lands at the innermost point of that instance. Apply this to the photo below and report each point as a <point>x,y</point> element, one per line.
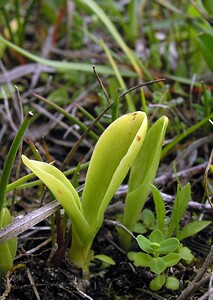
<point>117,150</point>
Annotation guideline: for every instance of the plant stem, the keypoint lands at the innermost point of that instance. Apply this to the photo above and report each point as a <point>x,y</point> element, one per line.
<point>81,254</point>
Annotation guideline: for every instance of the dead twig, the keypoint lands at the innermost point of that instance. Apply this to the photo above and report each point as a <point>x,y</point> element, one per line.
<point>21,225</point>
<point>45,53</point>
<point>209,293</point>
<point>140,86</point>
<point>120,225</point>
<point>8,111</point>
<point>187,173</point>
<point>206,177</point>
<point>30,277</point>
<point>23,70</point>
<point>189,149</point>
<point>194,285</point>
<point>101,85</point>
<point>8,278</point>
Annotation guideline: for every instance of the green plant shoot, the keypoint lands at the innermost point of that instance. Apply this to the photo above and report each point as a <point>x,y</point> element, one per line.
<point>142,175</point>
<point>7,249</point>
<point>112,158</point>
<point>179,207</point>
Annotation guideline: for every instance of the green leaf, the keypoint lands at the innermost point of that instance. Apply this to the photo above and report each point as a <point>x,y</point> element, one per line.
<point>192,228</point>
<point>205,41</point>
<point>157,265</point>
<point>7,249</point>
<point>179,207</point>
<point>149,156</point>
<point>168,246</point>
<point>157,283</point>
<point>172,283</point>
<point>11,157</point>
<point>131,255</point>
<point>105,258</point>
<point>159,207</point>
<point>62,66</point>
<point>155,246</point>
<point>156,236</point>
<point>148,217</point>
<point>142,260</point>
<point>171,259</point>
<point>139,228</point>
<point>144,243</point>
<point>5,219</point>
<point>6,259</point>
<point>113,155</point>
<point>186,254</point>
<point>142,175</point>
<point>64,192</point>
<point>182,200</point>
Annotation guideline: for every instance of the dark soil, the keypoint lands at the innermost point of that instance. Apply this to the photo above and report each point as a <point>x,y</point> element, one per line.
<point>35,276</point>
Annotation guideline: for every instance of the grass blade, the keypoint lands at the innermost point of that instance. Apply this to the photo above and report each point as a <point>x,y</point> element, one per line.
<point>11,157</point>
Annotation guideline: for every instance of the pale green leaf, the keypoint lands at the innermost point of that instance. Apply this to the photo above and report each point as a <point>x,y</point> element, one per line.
<point>64,192</point>
<point>171,259</point>
<point>148,217</point>
<point>144,243</point>
<point>142,259</point>
<point>186,254</point>
<point>113,155</point>
<point>6,258</point>
<point>105,258</point>
<point>172,283</point>
<point>131,255</point>
<point>192,228</point>
<point>159,207</point>
<point>157,265</point>
<point>156,236</point>
<point>179,207</point>
<point>139,228</point>
<point>168,245</point>
<point>7,249</point>
<point>142,176</point>
<point>157,283</point>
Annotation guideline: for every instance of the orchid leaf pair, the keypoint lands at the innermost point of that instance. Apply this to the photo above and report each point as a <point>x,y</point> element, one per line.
<point>116,151</point>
